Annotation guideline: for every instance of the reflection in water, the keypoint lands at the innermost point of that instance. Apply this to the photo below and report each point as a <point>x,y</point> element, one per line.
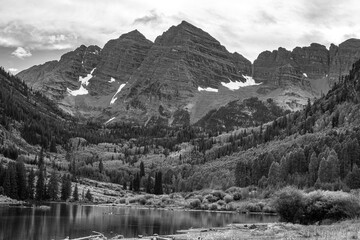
<point>72,220</point>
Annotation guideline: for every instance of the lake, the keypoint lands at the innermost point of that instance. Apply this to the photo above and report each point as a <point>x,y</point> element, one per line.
<point>72,220</point>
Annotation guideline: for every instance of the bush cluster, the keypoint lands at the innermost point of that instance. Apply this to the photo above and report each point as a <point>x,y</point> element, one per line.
<point>296,206</point>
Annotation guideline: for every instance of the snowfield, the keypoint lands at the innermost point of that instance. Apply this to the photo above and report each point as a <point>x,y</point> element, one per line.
<point>111,119</point>
<point>234,85</point>
<point>80,91</point>
<point>207,89</point>
<point>114,98</point>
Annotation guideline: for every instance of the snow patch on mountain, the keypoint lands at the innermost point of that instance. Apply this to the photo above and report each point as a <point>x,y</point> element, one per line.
<point>235,85</point>
<point>208,89</point>
<point>80,91</point>
<point>85,80</point>
<point>114,98</point>
<point>111,119</point>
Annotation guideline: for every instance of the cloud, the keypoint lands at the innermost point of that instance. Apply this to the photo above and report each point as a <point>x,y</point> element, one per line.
<point>152,18</point>
<point>21,53</point>
<point>266,18</point>
<point>13,69</point>
<point>16,33</point>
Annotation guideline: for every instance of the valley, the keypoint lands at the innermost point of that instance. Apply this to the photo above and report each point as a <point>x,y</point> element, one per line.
<point>181,123</point>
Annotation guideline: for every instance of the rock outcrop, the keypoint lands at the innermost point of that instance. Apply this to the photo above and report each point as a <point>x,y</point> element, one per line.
<point>281,66</point>
<point>342,58</point>
<point>118,61</point>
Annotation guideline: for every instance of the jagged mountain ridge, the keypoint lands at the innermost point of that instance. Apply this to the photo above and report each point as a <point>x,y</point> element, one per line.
<point>182,76</point>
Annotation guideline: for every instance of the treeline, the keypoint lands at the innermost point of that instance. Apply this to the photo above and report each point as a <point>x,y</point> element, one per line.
<point>16,183</point>
<point>330,162</point>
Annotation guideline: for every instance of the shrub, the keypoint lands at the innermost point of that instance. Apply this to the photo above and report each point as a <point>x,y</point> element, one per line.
<point>142,200</point>
<point>205,206</point>
<point>295,206</point>
<point>254,207</point>
<point>268,209</point>
<point>201,198</point>
<point>210,198</point>
<point>221,203</point>
<point>237,196</point>
<point>195,204</point>
<point>230,207</point>
<point>322,205</point>
<point>218,194</point>
<point>289,204</point>
<point>228,198</point>
<point>245,193</point>
<point>213,207</point>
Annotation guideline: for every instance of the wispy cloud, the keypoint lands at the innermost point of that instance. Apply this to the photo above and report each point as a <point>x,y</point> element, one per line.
<point>21,53</point>
<point>151,18</point>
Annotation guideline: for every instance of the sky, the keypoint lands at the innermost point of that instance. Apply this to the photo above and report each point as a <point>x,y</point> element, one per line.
<point>35,31</point>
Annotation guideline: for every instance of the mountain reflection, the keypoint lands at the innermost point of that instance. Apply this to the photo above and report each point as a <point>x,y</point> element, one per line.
<point>72,220</point>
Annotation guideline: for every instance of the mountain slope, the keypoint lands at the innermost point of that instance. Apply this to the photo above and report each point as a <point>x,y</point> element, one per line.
<point>182,76</point>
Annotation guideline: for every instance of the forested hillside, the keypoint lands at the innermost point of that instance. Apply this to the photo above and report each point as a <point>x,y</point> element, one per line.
<point>316,147</point>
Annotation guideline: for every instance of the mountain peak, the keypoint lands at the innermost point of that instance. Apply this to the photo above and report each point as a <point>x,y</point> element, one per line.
<point>135,34</point>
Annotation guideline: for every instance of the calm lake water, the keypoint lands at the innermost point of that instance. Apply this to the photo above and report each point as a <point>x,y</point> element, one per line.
<point>63,220</point>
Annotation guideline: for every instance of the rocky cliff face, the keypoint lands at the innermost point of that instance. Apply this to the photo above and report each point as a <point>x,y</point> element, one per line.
<point>314,62</point>
<point>281,66</point>
<point>118,61</point>
<point>342,58</point>
<point>55,77</point>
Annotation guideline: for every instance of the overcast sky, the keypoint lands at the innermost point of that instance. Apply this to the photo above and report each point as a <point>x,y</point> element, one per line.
<point>35,31</point>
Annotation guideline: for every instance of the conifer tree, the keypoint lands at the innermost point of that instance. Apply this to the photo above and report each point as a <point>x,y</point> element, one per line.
<point>40,185</point>
<point>142,169</point>
<point>313,168</point>
<point>274,174</point>
<point>21,180</point>
<point>88,195</point>
<point>53,188</point>
<point>65,187</point>
<point>101,166</point>
<point>353,178</point>
<point>76,193</point>
<point>31,184</point>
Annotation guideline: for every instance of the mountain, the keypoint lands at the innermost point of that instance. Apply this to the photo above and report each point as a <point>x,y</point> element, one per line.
<point>182,76</point>
<point>182,60</point>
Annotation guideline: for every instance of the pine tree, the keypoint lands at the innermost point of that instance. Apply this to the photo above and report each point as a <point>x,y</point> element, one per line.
<point>101,166</point>
<point>11,182</point>
<point>76,193</point>
<point>313,168</point>
<point>284,168</point>
<point>142,169</point>
<point>65,187</point>
<point>149,184</point>
<point>41,158</point>
<point>242,174</point>
<point>88,195</point>
<point>21,180</point>
<point>274,174</point>
<point>353,178</point>
<point>53,188</point>
<point>158,189</point>
<point>31,184</point>
<point>40,185</point>
<point>53,146</point>
<point>136,183</point>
